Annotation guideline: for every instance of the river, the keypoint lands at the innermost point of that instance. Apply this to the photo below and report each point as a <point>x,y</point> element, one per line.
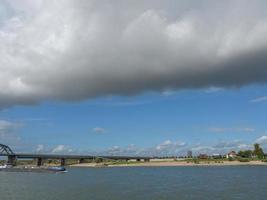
<point>138,183</point>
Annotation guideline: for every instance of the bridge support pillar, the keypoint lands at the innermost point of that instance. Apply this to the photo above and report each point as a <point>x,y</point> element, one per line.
<point>147,160</point>
<point>138,159</point>
<point>11,160</point>
<point>39,162</point>
<point>62,162</point>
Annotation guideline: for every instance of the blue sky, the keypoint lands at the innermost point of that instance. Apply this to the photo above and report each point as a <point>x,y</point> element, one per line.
<point>128,77</point>
<point>205,117</point>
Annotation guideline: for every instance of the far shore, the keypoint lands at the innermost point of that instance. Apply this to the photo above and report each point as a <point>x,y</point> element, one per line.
<point>171,164</point>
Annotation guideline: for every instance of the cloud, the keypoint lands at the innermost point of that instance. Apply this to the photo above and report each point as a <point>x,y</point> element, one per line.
<point>169,147</point>
<point>246,129</point>
<point>179,148</point>
<point>213,89</point>
<point>262,140</point>
<point>130,150</point>
<point>166,148</point>
<point>36,119</point>
<point>57,149</point>
<point>203,149</point>
<point>231,145</point>
<point>116,150</point>
<point>221,147</point>
<point>99,130</point>
<point>259,99</point>
<point>217,129</point>
<point>168,93</point>
<point>40,148</point>
<point>168,144</point>
<point>73,50</point>
<point>6,126</point>
<point>120,103</point>
<point>62,149</point>
<point>231,129</point>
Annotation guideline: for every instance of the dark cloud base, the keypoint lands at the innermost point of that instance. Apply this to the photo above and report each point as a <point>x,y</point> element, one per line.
<point>74,50</point>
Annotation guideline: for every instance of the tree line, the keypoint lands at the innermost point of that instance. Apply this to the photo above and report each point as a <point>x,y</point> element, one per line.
<point>257,152</point>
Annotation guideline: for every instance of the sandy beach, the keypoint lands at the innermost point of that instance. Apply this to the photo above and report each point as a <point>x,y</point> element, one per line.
<point>171,164</point>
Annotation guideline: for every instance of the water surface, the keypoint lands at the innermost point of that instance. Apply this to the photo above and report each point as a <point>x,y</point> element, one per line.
<point>138,183</point>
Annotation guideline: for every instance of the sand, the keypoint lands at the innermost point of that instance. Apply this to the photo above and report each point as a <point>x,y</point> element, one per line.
<point>171,164</point>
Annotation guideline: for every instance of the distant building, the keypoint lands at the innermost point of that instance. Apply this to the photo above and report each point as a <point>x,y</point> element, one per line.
<point>189,154</point>
<point>203,156</point>
<point>231,154</point>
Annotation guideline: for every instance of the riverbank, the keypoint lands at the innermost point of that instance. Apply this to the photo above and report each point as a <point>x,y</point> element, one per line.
<point>171,164</point>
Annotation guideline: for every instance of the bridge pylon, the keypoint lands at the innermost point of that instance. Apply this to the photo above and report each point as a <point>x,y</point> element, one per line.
<point>11,160</point>
<point>6,151</point>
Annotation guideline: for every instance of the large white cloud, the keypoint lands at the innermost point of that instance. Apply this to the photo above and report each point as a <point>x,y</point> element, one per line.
<point>78,49</point>
<point>262,140</point>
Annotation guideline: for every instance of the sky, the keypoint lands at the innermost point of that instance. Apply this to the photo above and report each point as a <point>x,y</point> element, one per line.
<point>133,77</point>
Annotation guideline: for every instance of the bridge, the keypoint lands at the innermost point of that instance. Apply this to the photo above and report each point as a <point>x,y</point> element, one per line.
<point>12,157</point>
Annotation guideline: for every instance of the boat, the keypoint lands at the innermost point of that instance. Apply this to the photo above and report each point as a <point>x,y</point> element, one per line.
<point>3,166</point>
<point>55,169</point>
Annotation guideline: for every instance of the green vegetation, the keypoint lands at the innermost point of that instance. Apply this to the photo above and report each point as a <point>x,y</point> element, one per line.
<point>218,161</point>
<point>243,160</point>
<point>245,154</point>
<point>196,161</point>
<point>124,162</point>
<point>206,161</point>
<point>258,151</point>
<point>231,159</point>
<point>99,160</point>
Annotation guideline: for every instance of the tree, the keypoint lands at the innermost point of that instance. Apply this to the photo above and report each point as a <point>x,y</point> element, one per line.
<point>99,160</point>
<point>245,154</point>
<point>258,151</point>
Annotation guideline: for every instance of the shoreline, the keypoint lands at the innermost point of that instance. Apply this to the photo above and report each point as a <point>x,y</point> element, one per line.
<point>172,164</point>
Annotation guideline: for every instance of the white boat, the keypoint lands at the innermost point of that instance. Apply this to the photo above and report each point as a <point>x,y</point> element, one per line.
<point>3,166</point>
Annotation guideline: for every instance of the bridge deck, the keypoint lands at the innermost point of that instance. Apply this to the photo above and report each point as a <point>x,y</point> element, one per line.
<point>6,151</point>
<point>56,156</point>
